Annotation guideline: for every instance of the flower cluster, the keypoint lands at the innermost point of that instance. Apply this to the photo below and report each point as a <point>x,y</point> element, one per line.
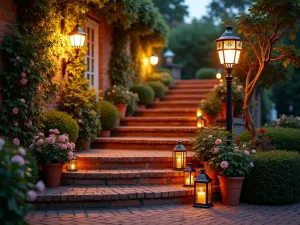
<point>286,122</point>
<point>117,95</point>
<point>55,148</point>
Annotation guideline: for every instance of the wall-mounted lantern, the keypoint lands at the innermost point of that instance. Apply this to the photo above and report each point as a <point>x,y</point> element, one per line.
<point>154,60</point>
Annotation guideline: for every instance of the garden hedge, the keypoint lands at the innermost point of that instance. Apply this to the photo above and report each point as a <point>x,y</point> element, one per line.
<point>284,138</point>
<point>158,88</point>
<point>145,92</point>
<point>109,114</point>
<point>34,168</point>
<point>274,179</point>
<point>61,121</point>
<point>206,73</point>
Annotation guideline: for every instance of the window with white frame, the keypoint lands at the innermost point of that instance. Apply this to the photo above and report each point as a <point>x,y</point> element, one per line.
<point>92,54</point>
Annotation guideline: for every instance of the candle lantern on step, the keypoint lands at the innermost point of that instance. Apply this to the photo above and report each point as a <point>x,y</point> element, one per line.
<point>72,164</point>
<point>202,190</point>
<point>179,156</point>
<point>189,175</point>
<point>200,121</point>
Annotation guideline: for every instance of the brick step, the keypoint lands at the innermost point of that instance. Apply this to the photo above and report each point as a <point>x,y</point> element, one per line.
<point>182,97</point>
<point>95,159</point>
<point>167,112</point>
<point>159,121</point>
<point>141,131</point>
<point>194,81</point>
<point>189,91</point>
<point>175,104</point>
<point>114,196</point>
<point>139,143</point>
<point>201,86</point>
<point>122,177</point>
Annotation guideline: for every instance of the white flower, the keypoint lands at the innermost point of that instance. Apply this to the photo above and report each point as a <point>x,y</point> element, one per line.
<point>2,142</point>
<point>22,151</point>
<point>253,151</point>
<point>40,186</point>
<point>18,159</point>
<point>209,136</point>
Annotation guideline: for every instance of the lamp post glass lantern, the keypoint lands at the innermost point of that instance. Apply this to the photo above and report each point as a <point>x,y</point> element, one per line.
<point>203,190</point>
<point>229,48</point>
<point>179,156</point>
<point>189,175</point>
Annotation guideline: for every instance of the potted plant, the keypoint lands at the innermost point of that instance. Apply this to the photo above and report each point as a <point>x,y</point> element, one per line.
<point>204,144</point>
<point>158,88</point>
<point>232,163</point>
<point>52,152</point>
<point>118,96</point>
<point>132,106</point>
<point>211,109</point>
<point>109,116</point>
<point>145,93</point>
<point>238,99</point>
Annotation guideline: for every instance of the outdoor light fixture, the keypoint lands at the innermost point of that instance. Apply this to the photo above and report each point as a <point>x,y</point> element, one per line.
<point>218,75</point>
<point>189,175</point>
<point>154,60</point>
<point>169,55</point>
<point>202,190</point>
<point>179,156</point>
<point>200,121</point>
<point>229,48</point>
<point>199,111</point>
<point>77,37</point>
<point>72,164</point>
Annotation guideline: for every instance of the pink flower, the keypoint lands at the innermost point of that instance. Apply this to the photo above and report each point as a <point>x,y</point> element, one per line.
<point>79,121</point>
<point>40,186</point>
<point>53,131</point>
<point>31,146</point>
<point>253,151</point>
<point>108,93</point>
<point>31,63</point>
<point>218,141</point>
<point>22,151</point>
<point>39,142</point>
<point>23,74</point>
<point>38,148</point>
<point>16,124</point>
<point>115,86</point>
<point>18,159</point>
<point>216,150</point>
<point>62,138</point>
<point>22,100</point>
<point>36,138</point>
<point>70,155</point>
<point>16,141</point>
<point>23,81</point>
<point>220,84</point>
<point>31,196</point>
<point>15,111</point>
<point>224,164</point>
<point>18,58</point>
<point>69,145</point>
<point>63,146</point>
<point>251,164</point>
<point>50,140</point>
<point>113,91</point>
<point>29,123</point>
<point>246,152</point>
<point>41,134</point>
<point>72,145</point>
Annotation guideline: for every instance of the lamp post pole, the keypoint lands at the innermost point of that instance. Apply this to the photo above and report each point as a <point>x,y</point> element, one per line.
<point>229,118</point>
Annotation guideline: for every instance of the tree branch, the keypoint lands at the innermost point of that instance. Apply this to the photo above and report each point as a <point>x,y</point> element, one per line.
<point>277,59</point>
<point>255,50</point>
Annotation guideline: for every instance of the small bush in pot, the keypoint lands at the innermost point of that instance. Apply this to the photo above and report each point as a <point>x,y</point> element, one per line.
<point>211,109</point>
<point>53,119</point>
<point>145,93</point>
<point>132,106</point>
<point>206,73</point>
<point>117,95</point>
<point>158,88</point>
<point>109,114</point>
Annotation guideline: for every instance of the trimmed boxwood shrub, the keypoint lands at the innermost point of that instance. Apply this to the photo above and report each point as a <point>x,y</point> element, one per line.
<point>63,122</point>
<point>284,138</point>
<point>109,114</point>
<point>164,77</point>
<point>145,92</point>
<point>206,73</point>
<point>274,179</point>
<point>158,88</point>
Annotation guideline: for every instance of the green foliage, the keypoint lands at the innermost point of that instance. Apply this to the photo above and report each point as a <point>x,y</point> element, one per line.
<point>205,141</point>
<point>132,106</point>
<point>274,180</point>
<point>145,93</point>
<point>158,88</point>
<point>117,95</point>
<point>211,105</point>
<point>206,73</point>
<point>109,114</point>
<point>282,138</point>
<point>32,167</point>
<point>28,69</point>
<point>286,122</point>
<point>79,101</point>
<point>63,122</point>
<point>164,77</point>
<point>193,46</point>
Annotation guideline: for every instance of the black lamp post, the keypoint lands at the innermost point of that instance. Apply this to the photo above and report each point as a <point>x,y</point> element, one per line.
<point>229,47</point>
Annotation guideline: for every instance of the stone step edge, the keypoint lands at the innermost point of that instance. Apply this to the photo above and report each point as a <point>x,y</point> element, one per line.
<point>184,110</point>
<point>139,140</point>
<point>130,159</point>
<point>170,118</point>
<point>155,128</point>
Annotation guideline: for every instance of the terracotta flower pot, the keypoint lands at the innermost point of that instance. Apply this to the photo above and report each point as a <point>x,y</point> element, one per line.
<point>156,100</point>
<point>52,174</point>
<point>86,145</point>
<point>223,112</point>
<point>142,106</point>
<point>118,122</point>
<point>212,174</point>
<point>210,120</point>
<point>105,133</point>
<point>231,188</point>
<point>122,109</point>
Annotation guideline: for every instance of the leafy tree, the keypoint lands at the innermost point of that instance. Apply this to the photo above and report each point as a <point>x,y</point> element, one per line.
<point>264,28</point>
<point>173,11</point>
<point>193,46</point>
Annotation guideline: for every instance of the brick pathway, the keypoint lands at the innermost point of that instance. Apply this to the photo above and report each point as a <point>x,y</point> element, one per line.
<point>175,215</point>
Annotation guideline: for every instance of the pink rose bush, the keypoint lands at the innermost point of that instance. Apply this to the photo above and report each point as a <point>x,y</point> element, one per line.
<point>54,148</point>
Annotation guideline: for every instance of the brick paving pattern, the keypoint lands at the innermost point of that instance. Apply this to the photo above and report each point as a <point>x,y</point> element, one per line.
<point>175,215</point>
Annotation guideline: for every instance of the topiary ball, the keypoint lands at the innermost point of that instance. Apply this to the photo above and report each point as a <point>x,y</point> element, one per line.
<point>206,73</point>
<point>274,179</point>
<point>145,92</point>
<point>109,114</point>
<point>63,122</point>
<point>158,88</point>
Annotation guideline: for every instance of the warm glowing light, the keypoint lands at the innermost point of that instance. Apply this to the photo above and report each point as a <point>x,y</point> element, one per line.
<point>189,181</point>
<point>72,166</point>
<point>199,111</point>
<point>153,60</point>
<point>201,196</point>
<point>200,123</point>
<point>221,80</point>
<point>77,37</point>
<point>219,75</point>
<point>178,162</point>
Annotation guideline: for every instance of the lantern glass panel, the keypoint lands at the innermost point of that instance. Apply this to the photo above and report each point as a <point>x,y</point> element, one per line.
<point>77,40</point>
<point>153,60</point>
<point>221,57</point>
<point>237,56</point>
<point>180,160</point>
<point>229,44</point>
<point>72,165</point>
<point>200,193</point>
<point>209,188</point>
<point>200,123</point>
<point>189,178</point>
<point>229,56</point>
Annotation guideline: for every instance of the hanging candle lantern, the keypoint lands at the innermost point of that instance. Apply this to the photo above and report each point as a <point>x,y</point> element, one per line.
<point>189,175</point>
<point>179,156</point>
<point>203,190</point>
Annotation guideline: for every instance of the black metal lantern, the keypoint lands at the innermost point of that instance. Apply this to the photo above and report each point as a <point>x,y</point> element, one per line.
<point>189,175</point>
<point>179,157</point>
<point>72,164</point>
<point>203,190</point>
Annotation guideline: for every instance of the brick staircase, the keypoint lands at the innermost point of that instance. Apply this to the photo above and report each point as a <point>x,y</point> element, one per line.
<point>134,166</point>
